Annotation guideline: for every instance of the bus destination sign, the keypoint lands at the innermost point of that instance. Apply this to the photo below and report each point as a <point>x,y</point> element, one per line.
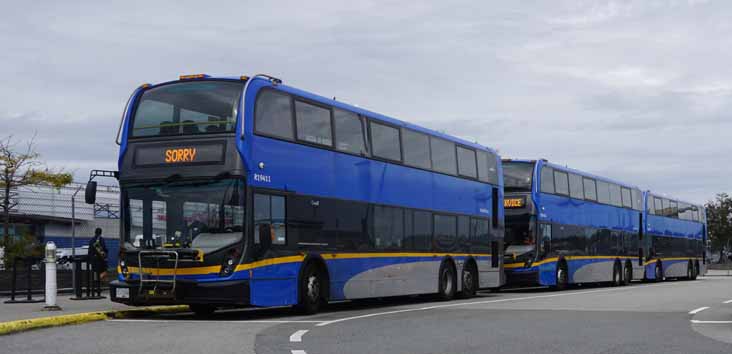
<point>192,154</point>
<point>512,203</point>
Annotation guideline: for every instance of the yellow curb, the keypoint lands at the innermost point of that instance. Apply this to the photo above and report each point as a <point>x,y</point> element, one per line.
<point>78,318</point>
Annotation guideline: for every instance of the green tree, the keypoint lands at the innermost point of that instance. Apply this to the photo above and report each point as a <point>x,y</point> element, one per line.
<point>719,222</point>
<point>21,167</point>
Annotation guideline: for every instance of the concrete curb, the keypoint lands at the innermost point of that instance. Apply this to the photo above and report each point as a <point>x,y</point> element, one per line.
<point>78,318</point>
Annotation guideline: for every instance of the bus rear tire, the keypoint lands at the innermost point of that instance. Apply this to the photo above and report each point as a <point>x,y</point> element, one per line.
<point>627,274</point>
<point>658,272</point>
<point>311,290</point>
<point>561,276</point>
<point>689,271</point>
<point>446,282</point>
<point>696,270</point>
<point>202,310</point>
<point>470,281</point>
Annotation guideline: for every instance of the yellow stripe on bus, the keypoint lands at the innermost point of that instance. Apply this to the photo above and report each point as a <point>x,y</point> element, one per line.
<point>290,259</point>
<point>609,258</point>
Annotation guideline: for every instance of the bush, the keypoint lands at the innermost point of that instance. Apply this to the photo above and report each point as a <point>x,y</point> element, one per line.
<point>19,247</point>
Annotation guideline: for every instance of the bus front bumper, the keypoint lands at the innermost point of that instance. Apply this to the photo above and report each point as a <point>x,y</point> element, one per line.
<point>232,292</point>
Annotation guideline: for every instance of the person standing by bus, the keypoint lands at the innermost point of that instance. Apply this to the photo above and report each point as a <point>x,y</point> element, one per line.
<point>98,255</point>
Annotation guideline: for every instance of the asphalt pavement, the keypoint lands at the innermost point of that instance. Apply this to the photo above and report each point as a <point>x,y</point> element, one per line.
<point>668,317</point>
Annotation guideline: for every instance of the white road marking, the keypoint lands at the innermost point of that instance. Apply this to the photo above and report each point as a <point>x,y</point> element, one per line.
<point>298,352</point>
<point>710,322</point>
<point>728,302</point>
<point>297,336</point>
<point>695,311</point>
<point>326,323</point>
<point>208,321</point>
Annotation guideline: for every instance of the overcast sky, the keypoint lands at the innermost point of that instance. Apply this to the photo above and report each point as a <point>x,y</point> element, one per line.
<point>638,91</point>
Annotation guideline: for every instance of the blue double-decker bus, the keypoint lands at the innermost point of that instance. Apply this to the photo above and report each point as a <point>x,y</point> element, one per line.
<point>676,238</point>
<point>565,226</point>
<point>245,191</point>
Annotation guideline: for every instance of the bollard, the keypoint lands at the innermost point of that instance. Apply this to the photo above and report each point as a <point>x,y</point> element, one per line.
<point>51,285</point>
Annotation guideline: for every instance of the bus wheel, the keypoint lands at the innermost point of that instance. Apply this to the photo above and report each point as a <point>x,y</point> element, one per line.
<point>202,309</point>
<point>659,272</point>
<point>311,286</point>
<point>562,276</point>
<point>447,284</point>
<point>689,271</point>
<point>627,274</point>
<point>696,271</point>
<point>617,275</point>
<point>470,282</point>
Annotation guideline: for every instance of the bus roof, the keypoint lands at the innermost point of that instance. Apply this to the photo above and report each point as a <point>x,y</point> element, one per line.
<point>348,107</point>
<point>583,173</point>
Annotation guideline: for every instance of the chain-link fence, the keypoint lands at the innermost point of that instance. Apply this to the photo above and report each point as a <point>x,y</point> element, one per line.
<point>43,214</point>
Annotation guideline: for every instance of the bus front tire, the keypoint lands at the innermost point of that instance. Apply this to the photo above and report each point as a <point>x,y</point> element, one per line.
<point>470,281</point>
<point>446,282</point>
<point>311,290</point>
<point>561,276</point>
<point>202,309</point>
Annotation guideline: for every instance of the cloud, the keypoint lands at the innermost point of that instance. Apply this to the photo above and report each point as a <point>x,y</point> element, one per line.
<point>638,91</point>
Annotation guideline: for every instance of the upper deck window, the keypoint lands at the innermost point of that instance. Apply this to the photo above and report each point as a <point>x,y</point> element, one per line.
<point>575,186</point>
<point>488,168</point>
<point>561,183</point>
<point>313,124</point>
<point>385,141</point>
<point>590,189</point>
<point>466,162</point>
<point>627,202</point>
<point>547,180</point>
<point>603,192</point>
<point>416,149</point>
<point>349,132</point>
<point>616,198</point>
<point>187,108</point>
<point>273,114</point>
<point>443,156</point>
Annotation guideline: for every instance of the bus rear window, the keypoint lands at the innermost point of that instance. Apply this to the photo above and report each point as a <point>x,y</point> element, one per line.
<point>187,108</point>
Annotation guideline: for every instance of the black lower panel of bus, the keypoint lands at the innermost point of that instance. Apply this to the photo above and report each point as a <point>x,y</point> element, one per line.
<point>522,278</point>
<point>234,292</point>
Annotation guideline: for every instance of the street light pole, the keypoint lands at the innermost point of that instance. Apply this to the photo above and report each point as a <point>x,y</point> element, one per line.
<point>73,237</point>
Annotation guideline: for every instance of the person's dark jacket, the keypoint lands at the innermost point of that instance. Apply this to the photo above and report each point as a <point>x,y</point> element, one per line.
<point>98,254</point>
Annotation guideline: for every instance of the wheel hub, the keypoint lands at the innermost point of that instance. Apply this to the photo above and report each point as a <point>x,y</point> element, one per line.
<point>313,288</point>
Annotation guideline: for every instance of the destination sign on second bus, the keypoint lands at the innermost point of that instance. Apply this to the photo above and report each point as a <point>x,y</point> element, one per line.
<point>510,203</point>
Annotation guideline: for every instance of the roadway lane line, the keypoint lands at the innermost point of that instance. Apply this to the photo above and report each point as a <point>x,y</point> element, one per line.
<point>695,311</point>
<point>728,302</point>
<point>297,336</point>
<point>208,321</point>
<point>298,352</point>
<point>710,322</point>
<point>326,323</point>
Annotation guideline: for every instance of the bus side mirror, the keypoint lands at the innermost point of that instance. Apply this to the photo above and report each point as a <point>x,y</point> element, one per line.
<point>90,193</point>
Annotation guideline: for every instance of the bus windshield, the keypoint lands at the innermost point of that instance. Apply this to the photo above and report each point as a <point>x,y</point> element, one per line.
<point>187,108</point>
<point>202,215</point>
<point>517,176</point>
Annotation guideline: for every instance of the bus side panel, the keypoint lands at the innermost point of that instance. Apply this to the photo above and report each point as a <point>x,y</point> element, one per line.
<point>547,274</point>
<point>354,278</point>
<point>591,270</point>
<point>275,285</point>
